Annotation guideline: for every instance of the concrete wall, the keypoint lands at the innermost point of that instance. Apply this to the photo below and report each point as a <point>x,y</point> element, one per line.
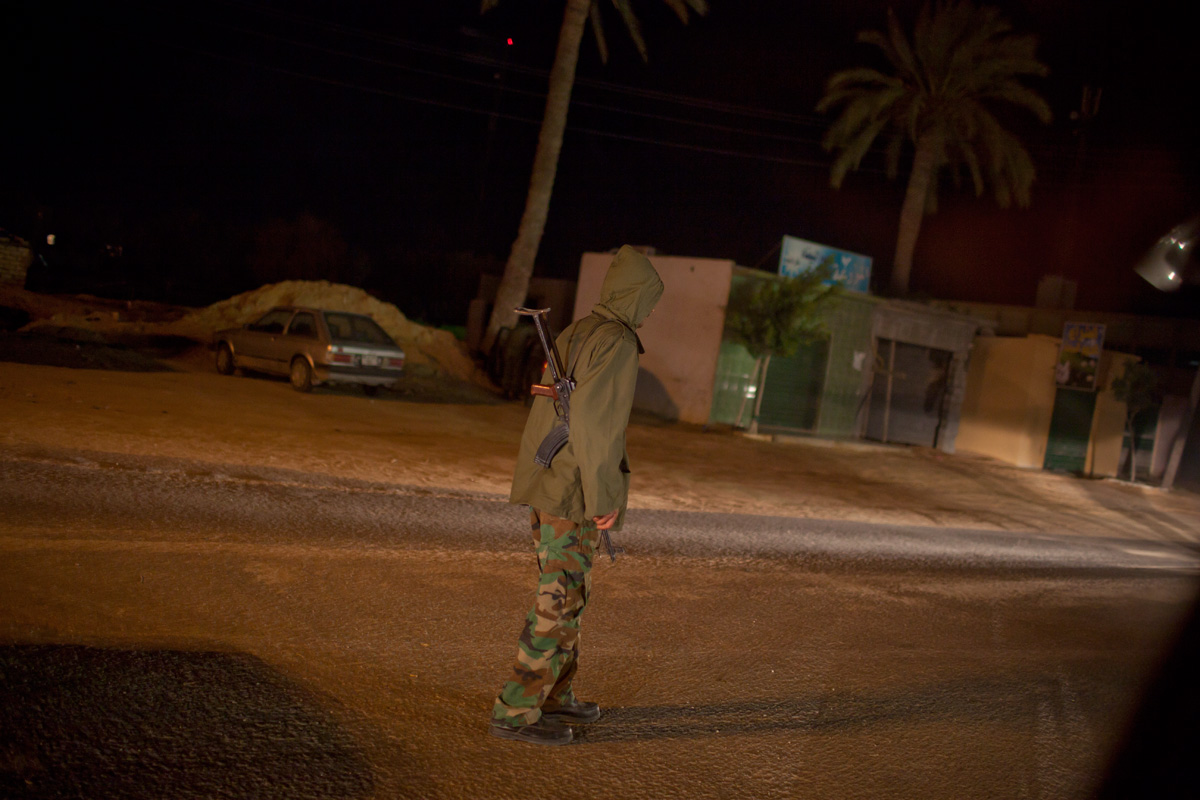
<point>1172,416</point>
<point>1188,476</point>
<point>1173,339</point>
<point>1009,399</point>
<point>850,317</point>
<point>937,329</point>
<point>15,258</point>
<point>1108,421</point>
<point>682,337</point>
<point>553,293</point>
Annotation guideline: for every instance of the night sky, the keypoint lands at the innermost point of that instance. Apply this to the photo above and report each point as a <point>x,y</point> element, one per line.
<point>404,132</point>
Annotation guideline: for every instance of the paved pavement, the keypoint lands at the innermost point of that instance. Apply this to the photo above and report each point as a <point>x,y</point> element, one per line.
<point>168,629</point>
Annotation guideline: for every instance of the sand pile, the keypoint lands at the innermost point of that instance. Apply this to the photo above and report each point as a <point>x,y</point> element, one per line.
<point>428,350</point>
<point>424,346</point>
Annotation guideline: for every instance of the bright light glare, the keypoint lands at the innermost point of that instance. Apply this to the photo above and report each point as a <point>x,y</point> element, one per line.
<point>1170,276</point>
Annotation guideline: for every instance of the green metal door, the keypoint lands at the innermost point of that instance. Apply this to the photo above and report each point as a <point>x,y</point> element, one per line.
<point>792,395</point>
<point>733,391</point>
<point>1070,430</point>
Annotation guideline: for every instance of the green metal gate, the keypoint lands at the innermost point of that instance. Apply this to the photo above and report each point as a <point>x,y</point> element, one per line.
<point>792,395</point>
<point>1070,430</point>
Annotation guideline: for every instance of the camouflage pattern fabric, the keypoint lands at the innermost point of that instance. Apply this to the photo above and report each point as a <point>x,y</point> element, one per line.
<point>548,648</point>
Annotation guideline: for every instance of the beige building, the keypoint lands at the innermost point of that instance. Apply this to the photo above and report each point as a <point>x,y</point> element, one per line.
<point>15,258</point>
<point>1011,399</point>
<point>682,337</point>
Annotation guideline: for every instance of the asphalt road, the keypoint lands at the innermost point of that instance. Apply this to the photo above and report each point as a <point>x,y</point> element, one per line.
<point>176,628</point>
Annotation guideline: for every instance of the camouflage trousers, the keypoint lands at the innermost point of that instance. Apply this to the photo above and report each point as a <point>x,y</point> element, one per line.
<point>548,648</point>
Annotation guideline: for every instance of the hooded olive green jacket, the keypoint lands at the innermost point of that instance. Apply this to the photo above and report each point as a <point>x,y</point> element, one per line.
<point>590,476</point>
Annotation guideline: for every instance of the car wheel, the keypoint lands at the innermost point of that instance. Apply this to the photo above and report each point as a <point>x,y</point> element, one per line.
<point>370,391</point>
<point>301,375</point>
<point>225,363</point>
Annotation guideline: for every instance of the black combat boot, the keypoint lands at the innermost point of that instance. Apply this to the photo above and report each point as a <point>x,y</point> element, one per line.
<point>544,731</point>
<point>574,713</point>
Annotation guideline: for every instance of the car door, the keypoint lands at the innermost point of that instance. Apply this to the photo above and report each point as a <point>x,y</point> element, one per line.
<point>259,344</point>
<point>303,338</point>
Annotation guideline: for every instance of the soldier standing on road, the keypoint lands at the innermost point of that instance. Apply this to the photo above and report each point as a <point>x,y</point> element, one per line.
<point>583,492</point>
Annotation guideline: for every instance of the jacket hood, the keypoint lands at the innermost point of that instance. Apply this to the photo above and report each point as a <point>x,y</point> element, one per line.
<point>631,288</point>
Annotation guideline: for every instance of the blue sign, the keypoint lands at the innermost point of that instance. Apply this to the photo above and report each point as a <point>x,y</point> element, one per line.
<point>851,270</point>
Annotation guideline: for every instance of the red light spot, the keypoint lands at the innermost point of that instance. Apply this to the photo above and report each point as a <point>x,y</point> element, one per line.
<point>510,41</point>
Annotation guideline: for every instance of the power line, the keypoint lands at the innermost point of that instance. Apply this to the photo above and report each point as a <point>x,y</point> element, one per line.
<point>474,110</point>
<point>479,60</point>
<point>523,92</point>
<point>1047,152</point>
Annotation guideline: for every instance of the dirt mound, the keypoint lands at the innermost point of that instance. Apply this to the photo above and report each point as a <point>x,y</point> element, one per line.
<point>430,351</point>
<point>427,347</point>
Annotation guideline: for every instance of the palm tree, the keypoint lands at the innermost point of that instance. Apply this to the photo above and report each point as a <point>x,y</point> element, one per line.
<point>962,61</point>
<point>774,316</point>
<point>514,285</point>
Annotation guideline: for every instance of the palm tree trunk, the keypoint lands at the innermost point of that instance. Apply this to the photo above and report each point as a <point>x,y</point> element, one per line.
<point>913,211</point>
<point>762,384</point>
<point>514,286</point>
<point>754,383</point>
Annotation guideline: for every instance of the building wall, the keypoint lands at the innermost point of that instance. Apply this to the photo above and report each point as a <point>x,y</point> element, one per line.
<point>1188,475</point>
<point>1170,345</point>
<point>1009,402</point>
<point>848,374</point>
<point>682,337</point>
<point>935,329</point>
<point>1172,416</point>
<point>1009,398</point>
<point>553,293</point>
<point>15,258</point>
<point>1108,422</point>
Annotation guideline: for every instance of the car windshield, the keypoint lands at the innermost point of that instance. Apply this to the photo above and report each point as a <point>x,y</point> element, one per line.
<point>355,328</point>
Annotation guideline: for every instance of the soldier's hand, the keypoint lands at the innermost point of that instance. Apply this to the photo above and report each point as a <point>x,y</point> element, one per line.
<point>605,522</point>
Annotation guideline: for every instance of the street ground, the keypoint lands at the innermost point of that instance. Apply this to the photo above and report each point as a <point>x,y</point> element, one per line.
<point>255,639</point>
<point>452,433</point>
<point>175,630</point>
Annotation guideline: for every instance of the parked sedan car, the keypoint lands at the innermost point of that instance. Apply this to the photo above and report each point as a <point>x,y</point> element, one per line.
<point>312,346</point>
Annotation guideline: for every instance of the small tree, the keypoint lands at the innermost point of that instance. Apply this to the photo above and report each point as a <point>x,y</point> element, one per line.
<point>773,317</point>
<point>1137,388</point>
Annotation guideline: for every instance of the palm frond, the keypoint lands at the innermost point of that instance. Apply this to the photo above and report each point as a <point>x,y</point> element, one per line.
<point>971,159</point>
<point>862,111</point>
<point>1010,168</point>
<point>680,7</point>
<point>851,83</point>
<point>1015,94</point>
<point>891,153</point>
<point>634,26</point>
<point>905,60</point>
<point>854,149</point>
<point>598,30</point>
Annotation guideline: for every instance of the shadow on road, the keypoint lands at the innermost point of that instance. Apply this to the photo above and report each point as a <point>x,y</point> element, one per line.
<point>981,700</point>
<point>91,722</point>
